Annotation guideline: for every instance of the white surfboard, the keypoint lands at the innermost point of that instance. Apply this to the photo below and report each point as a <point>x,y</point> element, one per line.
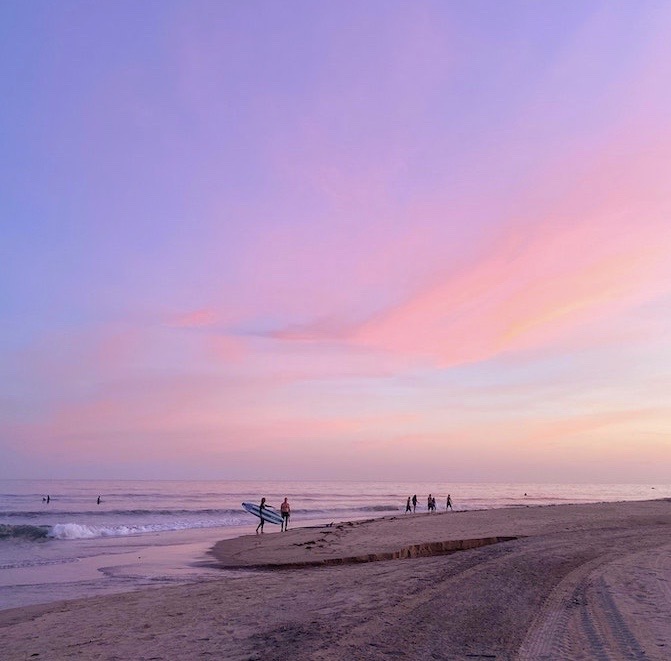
<point>269,514</point>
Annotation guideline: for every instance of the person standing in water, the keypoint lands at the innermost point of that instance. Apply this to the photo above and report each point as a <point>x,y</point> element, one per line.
<point>408,506</point>
<point>414,503</point>
<point>285,511</point>
<point>262,506</point>
<point>448,504</point>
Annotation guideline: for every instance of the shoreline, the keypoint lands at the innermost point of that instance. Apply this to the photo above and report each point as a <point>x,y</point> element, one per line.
<point>577,580</point>
<point>65,570</point>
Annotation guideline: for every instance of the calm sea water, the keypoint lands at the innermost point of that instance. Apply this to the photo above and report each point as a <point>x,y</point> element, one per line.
<point>158,532</point>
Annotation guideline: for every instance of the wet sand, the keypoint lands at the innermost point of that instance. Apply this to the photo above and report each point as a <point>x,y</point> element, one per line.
<point>576,582</point>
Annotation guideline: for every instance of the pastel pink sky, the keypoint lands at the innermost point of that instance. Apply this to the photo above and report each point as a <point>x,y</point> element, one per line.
<point>390,241</point>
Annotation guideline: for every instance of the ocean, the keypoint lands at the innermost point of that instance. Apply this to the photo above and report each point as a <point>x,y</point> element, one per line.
<point>147,533</point>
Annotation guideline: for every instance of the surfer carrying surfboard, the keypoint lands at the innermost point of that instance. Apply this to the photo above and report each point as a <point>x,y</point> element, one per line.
<point>262,506</point>
<point>285,511</point>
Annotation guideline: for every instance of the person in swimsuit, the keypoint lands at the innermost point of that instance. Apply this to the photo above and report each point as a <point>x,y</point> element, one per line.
<point>448,504</point>
<point>414,502</point>
<point>285,511</point>
<point>408,506</point>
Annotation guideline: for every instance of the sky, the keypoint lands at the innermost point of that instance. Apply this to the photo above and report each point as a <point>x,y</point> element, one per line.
<point>373,240</point>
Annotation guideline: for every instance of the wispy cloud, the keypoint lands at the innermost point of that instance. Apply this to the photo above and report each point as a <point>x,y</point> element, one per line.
<point>202,318</point>
<point>544,279</point>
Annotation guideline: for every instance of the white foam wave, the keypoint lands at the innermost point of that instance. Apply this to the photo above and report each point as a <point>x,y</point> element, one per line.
<point>92,531</point>
<point>85,531</point>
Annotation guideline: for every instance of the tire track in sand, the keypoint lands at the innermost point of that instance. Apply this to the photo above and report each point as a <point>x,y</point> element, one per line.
<point>543,638</point>
<point>581,618</point>
<point>605,625</point>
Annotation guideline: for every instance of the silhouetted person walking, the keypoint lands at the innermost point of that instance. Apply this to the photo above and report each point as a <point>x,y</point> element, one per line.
<point>262,506</point>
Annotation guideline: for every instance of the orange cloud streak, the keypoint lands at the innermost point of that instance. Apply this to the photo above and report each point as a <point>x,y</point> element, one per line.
<point>537,287</point>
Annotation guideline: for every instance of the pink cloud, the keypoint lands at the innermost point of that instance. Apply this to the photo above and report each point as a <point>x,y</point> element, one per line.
<point>589,254</point>
<point>526,293</point>
<point>194,319</point>
<point>210,416</point>
<point>563,431</point>
<point>513,300</point>
<point>226,348</point>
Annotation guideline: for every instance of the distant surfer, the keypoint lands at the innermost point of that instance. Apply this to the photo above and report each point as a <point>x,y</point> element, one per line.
<point>98,501</point>
<point>414,503</point>
<point>408,506</point>
<point>48,499</point>
<point>262,506</point>
<point>448,504</point>
<point>285,511</point>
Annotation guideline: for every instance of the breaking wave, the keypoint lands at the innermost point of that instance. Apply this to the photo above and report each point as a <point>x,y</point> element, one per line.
<point>93,531</point>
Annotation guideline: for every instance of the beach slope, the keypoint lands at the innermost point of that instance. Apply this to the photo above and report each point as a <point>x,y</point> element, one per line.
<point>573,581</point>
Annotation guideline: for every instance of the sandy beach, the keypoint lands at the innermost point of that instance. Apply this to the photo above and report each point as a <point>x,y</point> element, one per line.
<point>560,582</point>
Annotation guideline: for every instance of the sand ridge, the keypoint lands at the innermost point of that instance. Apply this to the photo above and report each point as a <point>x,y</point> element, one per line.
<point>407,535</point>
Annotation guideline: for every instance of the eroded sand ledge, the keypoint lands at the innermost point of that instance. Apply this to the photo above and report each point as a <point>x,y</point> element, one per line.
<point>423,550</point>
<point>580,582</point>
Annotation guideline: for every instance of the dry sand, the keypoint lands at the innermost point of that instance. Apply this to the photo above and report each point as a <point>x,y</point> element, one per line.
<point>578,582</point>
